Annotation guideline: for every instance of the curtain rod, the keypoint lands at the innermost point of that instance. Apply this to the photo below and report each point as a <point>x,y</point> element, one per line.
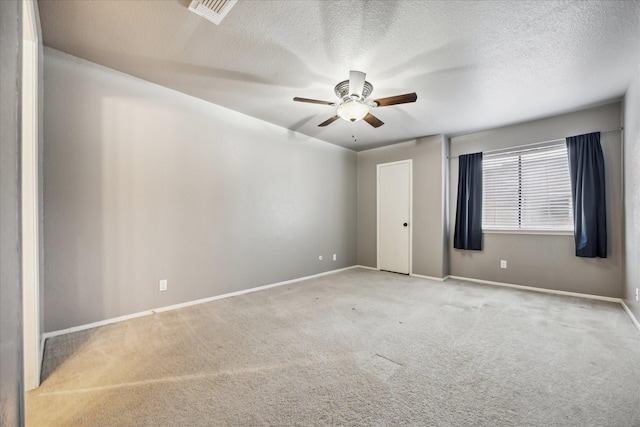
<point>537,143</point>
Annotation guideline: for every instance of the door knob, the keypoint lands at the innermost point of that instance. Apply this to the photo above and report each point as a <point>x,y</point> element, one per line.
<point>405,224</point>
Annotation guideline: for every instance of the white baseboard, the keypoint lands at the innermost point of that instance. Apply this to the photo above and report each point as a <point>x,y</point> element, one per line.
<point>556,292</point>
<point>185,304</point>
<point>51,334</point>
<point>542,290</point>
<point>630,313</point>
<point>366,267</point>
<point>437,279</point>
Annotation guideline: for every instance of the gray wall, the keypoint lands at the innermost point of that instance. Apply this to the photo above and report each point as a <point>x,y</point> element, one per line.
<point>11,382</point>
<point>143,183</point>
<point>428,202</point>
<point>547,261</point>
<point>632,194</point>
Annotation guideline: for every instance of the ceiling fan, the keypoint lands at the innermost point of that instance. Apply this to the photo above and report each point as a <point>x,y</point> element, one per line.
<point>354,104</point>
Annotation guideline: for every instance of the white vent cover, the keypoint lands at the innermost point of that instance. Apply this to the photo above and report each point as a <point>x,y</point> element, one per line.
<point>212,10</point>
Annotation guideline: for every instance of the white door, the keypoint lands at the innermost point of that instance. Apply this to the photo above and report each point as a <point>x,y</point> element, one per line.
<point>394,216</point>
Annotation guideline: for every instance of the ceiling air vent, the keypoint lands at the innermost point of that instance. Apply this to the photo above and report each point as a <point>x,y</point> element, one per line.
<point>212,10</point>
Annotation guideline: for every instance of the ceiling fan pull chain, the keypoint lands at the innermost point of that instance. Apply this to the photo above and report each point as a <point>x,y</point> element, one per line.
<point>353,132</point>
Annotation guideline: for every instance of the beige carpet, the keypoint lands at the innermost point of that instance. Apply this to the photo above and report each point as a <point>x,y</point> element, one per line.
<point>359,347</point>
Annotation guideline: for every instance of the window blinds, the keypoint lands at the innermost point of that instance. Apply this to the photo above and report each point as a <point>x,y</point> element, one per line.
<point>528,189</point>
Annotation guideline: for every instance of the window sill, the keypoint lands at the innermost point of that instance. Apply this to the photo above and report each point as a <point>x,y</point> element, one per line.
<point>539,232</point>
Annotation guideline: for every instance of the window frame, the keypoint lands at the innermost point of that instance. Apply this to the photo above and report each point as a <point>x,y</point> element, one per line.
<point>518,152</point>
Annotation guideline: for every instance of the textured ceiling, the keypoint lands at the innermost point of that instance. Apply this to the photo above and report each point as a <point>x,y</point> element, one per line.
<point>474,64</point>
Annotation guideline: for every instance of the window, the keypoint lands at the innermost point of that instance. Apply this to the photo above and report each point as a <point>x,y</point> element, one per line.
<point>528,190</point>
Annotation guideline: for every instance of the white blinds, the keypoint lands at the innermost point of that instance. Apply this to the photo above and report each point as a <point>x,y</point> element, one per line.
<point>527,189</point>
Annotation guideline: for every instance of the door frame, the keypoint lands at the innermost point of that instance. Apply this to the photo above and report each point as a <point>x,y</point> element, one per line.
<point>378,167</point>
<point>30,203</point>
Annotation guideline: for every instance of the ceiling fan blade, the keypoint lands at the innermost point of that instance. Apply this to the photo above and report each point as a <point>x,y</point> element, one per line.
<point>328,121</point>
<point>373,120</point>
<point>356,83</point>
<point>398,99</point>
<point>313,101</point>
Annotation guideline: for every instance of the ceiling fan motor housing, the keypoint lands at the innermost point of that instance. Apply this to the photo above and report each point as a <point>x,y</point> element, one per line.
<point>342,90</point>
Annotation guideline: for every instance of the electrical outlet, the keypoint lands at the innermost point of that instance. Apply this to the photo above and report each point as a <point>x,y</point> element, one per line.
<point>320,257</point>
<point>163,285</point>
<point>503,263</point>
<point>334,257</point>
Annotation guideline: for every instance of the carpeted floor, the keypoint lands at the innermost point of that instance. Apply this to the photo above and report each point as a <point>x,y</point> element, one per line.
<point>357,348</point>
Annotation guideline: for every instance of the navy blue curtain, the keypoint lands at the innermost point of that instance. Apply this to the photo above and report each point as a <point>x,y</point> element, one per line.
<point>586,165</point>
<point>468,231</point>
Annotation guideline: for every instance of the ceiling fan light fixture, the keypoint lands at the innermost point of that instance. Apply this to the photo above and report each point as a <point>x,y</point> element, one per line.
<point>352,111</point>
